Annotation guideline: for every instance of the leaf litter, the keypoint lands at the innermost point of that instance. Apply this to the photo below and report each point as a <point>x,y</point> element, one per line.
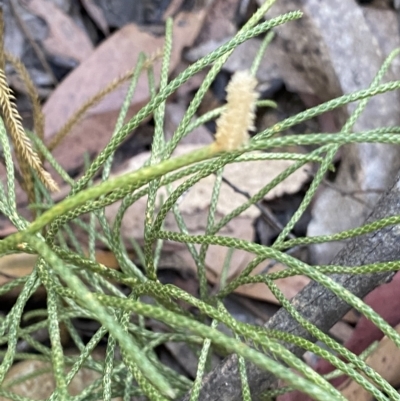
<point>71,45</point>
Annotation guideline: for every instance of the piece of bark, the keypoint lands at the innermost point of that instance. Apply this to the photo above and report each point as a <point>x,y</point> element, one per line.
<point>384,301</point>
<point>316,303</point>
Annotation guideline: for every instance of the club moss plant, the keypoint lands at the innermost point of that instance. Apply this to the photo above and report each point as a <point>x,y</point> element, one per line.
<point>65,270</point>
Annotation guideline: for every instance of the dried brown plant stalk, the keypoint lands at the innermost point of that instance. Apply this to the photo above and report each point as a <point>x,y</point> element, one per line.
<point>75,118</point>
<point>27,183</point>
<point>153,57</point>
<point>38,118</point>
<point>23,148</point>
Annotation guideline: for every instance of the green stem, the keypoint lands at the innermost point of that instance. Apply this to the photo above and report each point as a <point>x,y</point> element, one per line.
<point>142,176</point>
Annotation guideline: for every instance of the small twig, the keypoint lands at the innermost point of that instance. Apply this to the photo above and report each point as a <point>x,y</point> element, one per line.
<point>269,218</point>
<point>351,194</point>
<point>266,212</point>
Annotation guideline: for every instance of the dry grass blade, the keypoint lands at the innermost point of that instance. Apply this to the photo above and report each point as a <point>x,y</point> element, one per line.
<point>27,183</point>
<point>23,147</point>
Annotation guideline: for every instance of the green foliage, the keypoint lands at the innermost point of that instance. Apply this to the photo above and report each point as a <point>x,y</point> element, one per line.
<point>64,270</point>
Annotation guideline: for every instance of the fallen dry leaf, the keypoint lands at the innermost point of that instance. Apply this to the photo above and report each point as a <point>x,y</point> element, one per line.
<point>290,286</point>
<point>385,360</point>
<point>220,21</point>
<point>21,264</point>
<point>65,38</point>
<point>275,65</point>
<point>173,8</point>
<point>42,385</point>
<point>174,113</point>
<point>119,13</point>
<point>97,15</point>
<point>384,301</point>
<point>249,176</point>
<point>342,331</point>
<point>194,208</point>
<point>15,266</point>
<point>111,59</point>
